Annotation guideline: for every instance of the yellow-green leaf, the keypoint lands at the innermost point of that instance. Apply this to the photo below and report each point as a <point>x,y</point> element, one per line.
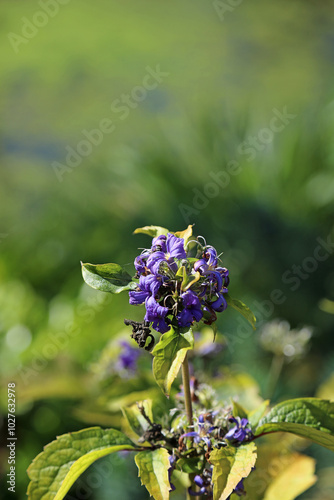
<point>238,410</point>
<point>152,231</point>
<point>293,481</point>
<point>135,418</point>
<point>153,471</point>
<point>186,234</point>
<point>54,471</point>
<point>169,355</point>
<point>241,308</point>
<point>255,415</point>
<point>230,466</point>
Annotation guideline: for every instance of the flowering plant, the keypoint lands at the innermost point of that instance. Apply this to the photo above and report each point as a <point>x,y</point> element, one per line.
<point>203,444</point>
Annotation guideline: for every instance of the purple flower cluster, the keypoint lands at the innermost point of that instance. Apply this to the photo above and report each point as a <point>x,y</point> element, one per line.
<point>240,432</point>
<point>179,290</point>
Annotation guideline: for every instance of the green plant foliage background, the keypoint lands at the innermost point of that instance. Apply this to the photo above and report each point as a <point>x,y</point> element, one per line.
<point>225,79</point>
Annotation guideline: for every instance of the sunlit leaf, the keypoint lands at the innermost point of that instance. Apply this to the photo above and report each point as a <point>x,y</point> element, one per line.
<point>238,410</point>
<point>274,459</point>
<point>153,471</point>
<point>326,389</point>
<point>230,466</point>
<point>135,418</point>
<point>152,231</point>
<point>169,355</point>
<point>255,415</point>
<point>186,234</point>
<point>293,481</point>
<point>311,418</point>
<point>54,471</point>
<point>107,277</point>
<point>242,309</point>
<point>241,385</point>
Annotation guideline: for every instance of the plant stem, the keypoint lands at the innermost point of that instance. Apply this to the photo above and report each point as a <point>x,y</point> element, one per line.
<point>186,391</point>
<point>275,372</point>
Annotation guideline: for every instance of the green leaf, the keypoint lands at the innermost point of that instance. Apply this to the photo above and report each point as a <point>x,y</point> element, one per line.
<point>151,230</point>
<point>153,471</point>
<point>186,234</point>
<point>255,415</point>
<point>238,410</point>
<point>54,471</point>
<point>190,465</point>
<point>187,279</point>
<point>169,355</point>
<point>230,465</point>
<point>107,277</point>
<point>293,481</point>
<point>134,417</point>
<point>311,418</point>
<point>241,308</point>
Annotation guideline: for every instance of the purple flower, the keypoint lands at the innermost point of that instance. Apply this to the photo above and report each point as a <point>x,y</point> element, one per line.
<point>210,255</point>
<point>199,481</point>
<point>238,490</point>
<point>173,249</point>
<point>159,241</point>
<point>150,283</point>
<point>239,432</point>
<point>220,304</point>
<point>162,288</point>
<point>172,462</point>
<point>202,434</point>
<point>201,266</point>
<point>137,297</point>
<point>127,359</point>
<point>140,261</point>
<point>156,313</point>
<point>192,309</point>
<point>204,483</point>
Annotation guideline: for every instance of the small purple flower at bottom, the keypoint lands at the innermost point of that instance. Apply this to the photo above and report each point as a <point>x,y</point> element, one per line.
<point>172,462</point>
<point>204,483</point>
<point>240,432</point>
<point>238,490</point>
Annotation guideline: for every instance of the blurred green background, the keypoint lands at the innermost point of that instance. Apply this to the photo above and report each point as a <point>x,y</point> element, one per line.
<point>225,76</point>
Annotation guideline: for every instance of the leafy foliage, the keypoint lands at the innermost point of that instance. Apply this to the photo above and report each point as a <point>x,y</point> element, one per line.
<point>134,417</point>
<point>294,480</point>
<point>152,231</point>
<point>169,355</point>
<point>242,309</point>
<point>230,466</point>
<point>107,277</point>
<point>54,471</point>
<point>311,418</point>
<point>153,471</point>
